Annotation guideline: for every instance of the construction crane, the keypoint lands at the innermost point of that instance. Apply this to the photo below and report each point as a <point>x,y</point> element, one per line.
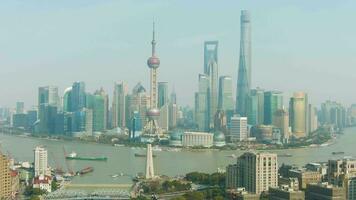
<point>58,169</point>
<point>70,170</point>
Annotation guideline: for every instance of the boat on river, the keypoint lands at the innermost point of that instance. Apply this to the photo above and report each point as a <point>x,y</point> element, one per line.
<point>338,152</point>
<point>74,156</point>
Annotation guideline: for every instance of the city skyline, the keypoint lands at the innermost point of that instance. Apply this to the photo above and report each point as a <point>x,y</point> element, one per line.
<point>61,64</point>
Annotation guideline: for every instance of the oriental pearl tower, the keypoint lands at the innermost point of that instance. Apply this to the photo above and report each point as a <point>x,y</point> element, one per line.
<point>153,113</point>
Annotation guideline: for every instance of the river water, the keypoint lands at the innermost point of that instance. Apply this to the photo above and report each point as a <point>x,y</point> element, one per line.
<point>122,159</point>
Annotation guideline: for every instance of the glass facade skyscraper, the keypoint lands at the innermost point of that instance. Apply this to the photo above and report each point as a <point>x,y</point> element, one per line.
<point>202,103</point>
<point>78,96</point>
<point>273,101</point>
<point>225,93</point>
<point>255,107</point>
<point>244,70</point>
<point>162,94</point>
<point>210,53</point>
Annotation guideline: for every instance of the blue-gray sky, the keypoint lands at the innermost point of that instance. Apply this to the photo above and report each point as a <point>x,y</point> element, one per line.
<point>296,45</point>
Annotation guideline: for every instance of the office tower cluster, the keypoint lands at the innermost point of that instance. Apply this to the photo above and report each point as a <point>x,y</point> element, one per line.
<point>81,113</point>
<point>256,113</point>
<point>213,100</point>
<point>249,114</point>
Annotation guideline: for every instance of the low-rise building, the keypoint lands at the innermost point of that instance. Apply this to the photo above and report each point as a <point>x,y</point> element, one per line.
<point>285,193</point>
<point>43,183</point>
<point>292,183</point>
<point>196,139</point>
<point>339,170</point>
<point>305,177</point>
<point>242,194</point>
<point>324,191</point>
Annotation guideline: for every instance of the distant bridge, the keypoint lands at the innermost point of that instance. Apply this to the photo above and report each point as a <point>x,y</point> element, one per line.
<point>97,186</point>
<point>91,191</point>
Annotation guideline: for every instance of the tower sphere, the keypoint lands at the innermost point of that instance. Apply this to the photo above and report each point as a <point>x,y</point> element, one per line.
<point>153,62</point>
<point>153,113</point>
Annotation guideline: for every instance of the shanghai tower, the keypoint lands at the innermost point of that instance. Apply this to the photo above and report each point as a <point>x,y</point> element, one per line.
<point>244,71</point>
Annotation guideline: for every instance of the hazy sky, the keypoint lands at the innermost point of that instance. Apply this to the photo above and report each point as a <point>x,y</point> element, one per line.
<point>296,45</point>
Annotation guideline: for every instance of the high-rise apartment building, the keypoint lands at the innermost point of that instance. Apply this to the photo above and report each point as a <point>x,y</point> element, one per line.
<point>255,107</point>
<point>40,162</point>
<point>244,70</point>
<point>273,101</point>
<point>5,178</point>
<point>258,171</point>
<point>298,114</point>
<point>238,129</point>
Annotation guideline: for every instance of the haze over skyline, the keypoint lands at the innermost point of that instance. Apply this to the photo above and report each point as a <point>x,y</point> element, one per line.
<point>294,47</point>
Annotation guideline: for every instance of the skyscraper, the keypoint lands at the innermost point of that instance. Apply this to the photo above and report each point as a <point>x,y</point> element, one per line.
<point>97,102</point>
<point>255,107</point>
<point>67,100</point>
<point>298,106</point>
<point>202,103</point>
<point>48,103</point>
<point>173,109</point>
<point>281,121</point>
<point>210,54</point>
<point>48,95</point>
<point>20,107</point>
<point>162,94</point>
<point>119,105</point>
<point>149,163</point>
<point>78,96</point>
<point>244,71</point>
<point>273,101</point>
<point>225,100</point>
<point>213,91</point>
<point>40,162</point>
<point>138,102</point>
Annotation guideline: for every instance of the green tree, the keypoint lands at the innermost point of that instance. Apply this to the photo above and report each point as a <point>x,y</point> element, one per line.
<point>194,196</point>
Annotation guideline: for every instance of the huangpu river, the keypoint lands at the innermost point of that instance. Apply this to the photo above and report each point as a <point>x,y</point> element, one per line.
<point>171,163</point>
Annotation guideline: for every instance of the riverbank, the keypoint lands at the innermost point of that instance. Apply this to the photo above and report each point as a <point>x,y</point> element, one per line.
<point>319,138</point>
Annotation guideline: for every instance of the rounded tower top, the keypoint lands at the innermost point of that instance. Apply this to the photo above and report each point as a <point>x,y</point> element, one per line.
<point>153,61</point>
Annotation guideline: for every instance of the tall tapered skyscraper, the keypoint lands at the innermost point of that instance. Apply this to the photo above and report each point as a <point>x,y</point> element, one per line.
<point>244,71</point>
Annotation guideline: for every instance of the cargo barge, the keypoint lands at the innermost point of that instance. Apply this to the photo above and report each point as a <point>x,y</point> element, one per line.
<point>74,156</point>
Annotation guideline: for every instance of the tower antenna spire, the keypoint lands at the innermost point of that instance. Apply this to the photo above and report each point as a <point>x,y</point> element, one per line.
<point>153,39</point>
